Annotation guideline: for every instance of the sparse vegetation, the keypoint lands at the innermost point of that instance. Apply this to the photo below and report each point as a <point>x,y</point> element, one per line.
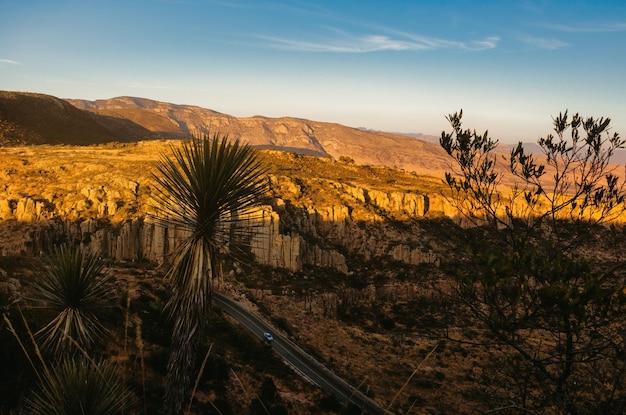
<point>78,387</point>
<point>78,289</point>
<point>551,310</point>
<point>373,322</point>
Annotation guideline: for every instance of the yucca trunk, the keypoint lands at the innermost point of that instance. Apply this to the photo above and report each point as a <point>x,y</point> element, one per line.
<point>189,308</point>
<point>202,189</point>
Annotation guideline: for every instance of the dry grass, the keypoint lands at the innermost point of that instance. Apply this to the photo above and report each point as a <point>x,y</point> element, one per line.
<point>395,368</point>
<point>77,181</point>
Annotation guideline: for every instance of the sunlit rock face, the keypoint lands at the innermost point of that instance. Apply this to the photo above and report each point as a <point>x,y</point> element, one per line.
<point>293,231</point>
<point>334,209</point>
<point>61,191</point>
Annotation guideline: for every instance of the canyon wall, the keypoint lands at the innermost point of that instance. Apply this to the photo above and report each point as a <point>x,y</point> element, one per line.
<point>350,224</point>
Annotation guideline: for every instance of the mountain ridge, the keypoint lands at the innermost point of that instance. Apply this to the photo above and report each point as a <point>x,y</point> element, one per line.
<point>129,119</point>
<point>285,133</point>
<point>31,118</point>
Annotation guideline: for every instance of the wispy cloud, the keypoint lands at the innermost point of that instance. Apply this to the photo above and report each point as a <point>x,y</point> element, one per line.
<point>365,44</point>
<point>10,62</point>
<point>490,42</point>
<point>541,43</point>
<point>591,27</point>
<point>346,43</point>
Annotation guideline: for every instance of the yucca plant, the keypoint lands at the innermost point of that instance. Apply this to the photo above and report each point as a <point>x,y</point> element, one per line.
<point>75,286</point>
<point>205,187</point>
<point>80,387</point>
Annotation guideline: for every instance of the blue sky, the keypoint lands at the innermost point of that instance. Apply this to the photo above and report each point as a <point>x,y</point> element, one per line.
<point>387,65</point>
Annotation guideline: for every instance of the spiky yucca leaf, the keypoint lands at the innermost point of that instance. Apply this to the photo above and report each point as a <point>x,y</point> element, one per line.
<point>78,387</point>
<point>205,187</point>
<point>206,183</point>
<point>76,286</point>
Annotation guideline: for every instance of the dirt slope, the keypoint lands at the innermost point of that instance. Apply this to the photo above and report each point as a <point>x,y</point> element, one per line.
<point>27,118</point>
<point>288,134</point>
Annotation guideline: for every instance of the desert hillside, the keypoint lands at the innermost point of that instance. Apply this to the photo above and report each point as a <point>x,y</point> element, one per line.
<point>288,134</point>
<point>27,118</point>
<point>41,119</point>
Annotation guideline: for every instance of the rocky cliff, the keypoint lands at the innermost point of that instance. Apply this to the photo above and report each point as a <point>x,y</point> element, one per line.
<point>283,235</point>
<point>337,221</point>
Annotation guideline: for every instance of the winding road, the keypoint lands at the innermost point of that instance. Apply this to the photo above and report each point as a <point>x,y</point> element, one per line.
<point>302,362</point>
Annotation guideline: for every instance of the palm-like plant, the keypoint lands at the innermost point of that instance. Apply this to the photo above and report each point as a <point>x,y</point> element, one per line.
<point>204,189</point>
<point>78,387</point>
<point>76,286</point>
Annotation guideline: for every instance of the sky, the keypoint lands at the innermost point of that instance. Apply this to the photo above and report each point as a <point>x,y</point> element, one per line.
<point>393,65</point>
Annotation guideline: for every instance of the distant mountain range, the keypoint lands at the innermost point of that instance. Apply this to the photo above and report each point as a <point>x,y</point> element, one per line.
<point>27,118</point>
<point>419,136</point>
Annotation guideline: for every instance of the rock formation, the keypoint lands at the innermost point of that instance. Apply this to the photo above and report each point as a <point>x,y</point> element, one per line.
<point>289,233</point>
<point>10,291</point>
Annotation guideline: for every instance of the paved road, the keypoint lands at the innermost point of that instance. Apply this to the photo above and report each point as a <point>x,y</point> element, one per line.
<point>299,360</point>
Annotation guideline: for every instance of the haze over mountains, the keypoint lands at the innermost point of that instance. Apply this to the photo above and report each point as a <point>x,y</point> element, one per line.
<point>285,133</point>
<point>27,118</point>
